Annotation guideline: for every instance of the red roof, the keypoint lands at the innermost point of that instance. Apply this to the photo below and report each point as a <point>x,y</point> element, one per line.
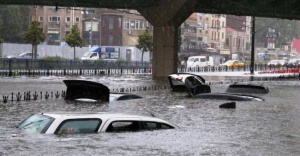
<point>296,45</point>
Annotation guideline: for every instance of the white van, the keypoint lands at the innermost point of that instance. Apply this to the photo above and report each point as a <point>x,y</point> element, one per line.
<point>199,61</point>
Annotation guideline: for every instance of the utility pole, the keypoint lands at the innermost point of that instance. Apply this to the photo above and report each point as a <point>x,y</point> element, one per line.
<point>252,46</point>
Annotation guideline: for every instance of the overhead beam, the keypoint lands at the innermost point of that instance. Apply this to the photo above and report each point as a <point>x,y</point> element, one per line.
<point>117,4</point>
<point>258,8</point>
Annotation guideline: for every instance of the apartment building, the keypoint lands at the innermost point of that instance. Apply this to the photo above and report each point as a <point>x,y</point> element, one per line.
<point>238,36</point>
<point>57,22</point>
<point>202,34</point>
<point>98,26</point>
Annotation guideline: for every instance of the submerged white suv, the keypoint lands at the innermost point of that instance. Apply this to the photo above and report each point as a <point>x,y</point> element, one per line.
<point>91,122</point>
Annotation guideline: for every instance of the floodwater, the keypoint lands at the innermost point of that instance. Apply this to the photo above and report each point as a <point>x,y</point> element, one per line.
<point>267,128</point>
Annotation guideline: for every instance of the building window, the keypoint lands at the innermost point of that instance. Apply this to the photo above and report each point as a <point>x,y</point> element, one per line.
<point>91,25</point>
<point>110,23</point>
<point>132,24</point>
<point>68,19</point>
<point>40,19</point>
<point>126,24</point>
<point>110,39</point>
<point>77,19</point>
<point>137,24</point>
<point>120,39</point>
<point>54,19</point>
<point>120,22</point>
<point>205,26</point>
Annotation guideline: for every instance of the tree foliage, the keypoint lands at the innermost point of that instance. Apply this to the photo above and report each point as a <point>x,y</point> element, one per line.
<point>73,39</point>
<point>1,40</point>
<point>145,42</point>
<point>14,21</point>
<point>34,36</point>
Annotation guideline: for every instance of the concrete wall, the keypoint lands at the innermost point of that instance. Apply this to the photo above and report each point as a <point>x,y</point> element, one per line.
<point>43,50</point>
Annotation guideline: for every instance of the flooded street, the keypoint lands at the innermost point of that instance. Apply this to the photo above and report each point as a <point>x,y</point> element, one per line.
<point>267,128</point>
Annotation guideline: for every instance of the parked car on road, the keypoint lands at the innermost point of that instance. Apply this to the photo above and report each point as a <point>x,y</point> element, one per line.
<point>233,63</point>
<point>27,55</point>
<point>273,63</point>
<point>295,63</point>
<point>277,63</point>
<point>199,61</point>
<point>91,122</point>
<point>283,62</point>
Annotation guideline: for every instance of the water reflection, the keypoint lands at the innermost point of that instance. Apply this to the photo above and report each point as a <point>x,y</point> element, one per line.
<point>271,127</point>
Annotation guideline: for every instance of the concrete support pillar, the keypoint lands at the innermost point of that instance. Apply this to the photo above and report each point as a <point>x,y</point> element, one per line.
<point>166,20</point>
<point>165,51</point>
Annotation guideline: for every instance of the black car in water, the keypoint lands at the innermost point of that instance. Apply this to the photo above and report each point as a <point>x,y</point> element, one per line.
<point>196,87</point>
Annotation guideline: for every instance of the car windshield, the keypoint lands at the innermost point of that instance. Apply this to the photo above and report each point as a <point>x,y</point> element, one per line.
<point>191,59</point>
<point>231,61</point>
<point>36,123</point>
<point>87,54</point>
<point>292,61</point>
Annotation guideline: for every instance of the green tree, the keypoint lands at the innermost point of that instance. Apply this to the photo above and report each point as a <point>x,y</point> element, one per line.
<point>34,36</point>
<point>14,21</point>
<point>74,39</point>
<point>1,40</point>
<point>145,42</point>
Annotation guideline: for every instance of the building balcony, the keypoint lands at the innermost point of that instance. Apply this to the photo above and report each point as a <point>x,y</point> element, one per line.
<point>191,34</point>
<point>54,25</point>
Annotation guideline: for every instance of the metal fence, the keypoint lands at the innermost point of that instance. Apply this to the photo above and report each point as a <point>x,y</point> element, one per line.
<point>31,67</point>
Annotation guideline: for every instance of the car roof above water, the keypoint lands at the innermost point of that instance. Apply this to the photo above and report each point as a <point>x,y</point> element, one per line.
<point>102,115</point>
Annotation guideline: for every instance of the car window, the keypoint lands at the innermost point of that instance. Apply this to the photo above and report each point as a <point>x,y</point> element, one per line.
<point>76,126</point>
<point>156,125</point>
<point>191,59</point>
<point>202,59</point>
<point>36,123</point>
<point>123,126</point>
<point>196,59</point>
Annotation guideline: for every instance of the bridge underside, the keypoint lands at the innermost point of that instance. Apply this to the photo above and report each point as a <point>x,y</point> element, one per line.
<point>167,15</point>
<point>260,8</point>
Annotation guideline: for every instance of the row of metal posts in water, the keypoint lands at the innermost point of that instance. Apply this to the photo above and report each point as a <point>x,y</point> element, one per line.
<point>27,96</point>
<point>66,72</point>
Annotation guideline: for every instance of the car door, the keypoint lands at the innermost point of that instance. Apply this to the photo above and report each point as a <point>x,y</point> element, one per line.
<point>119,125</point>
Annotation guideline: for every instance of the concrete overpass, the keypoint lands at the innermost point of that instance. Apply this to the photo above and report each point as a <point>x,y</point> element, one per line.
<point>167,15</point>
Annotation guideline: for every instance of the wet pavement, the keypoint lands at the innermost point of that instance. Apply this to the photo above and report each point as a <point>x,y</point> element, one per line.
<point>271,127</point>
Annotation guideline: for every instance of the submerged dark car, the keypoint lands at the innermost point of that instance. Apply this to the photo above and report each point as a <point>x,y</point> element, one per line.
<point>247,88</point>
<point>196,87</point>
<point>89,91</point>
